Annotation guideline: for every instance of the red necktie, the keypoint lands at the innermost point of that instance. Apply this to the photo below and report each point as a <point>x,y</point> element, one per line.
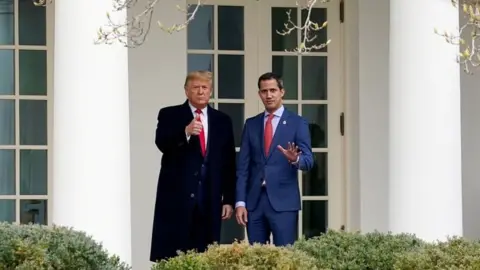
<point>202,133</point>
<point>268,134</point>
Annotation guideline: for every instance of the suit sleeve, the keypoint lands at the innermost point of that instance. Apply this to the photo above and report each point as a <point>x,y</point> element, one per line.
<point>229,178</point>
<point>243,164</point>
<point>305,162</point>
<point>169,136</point>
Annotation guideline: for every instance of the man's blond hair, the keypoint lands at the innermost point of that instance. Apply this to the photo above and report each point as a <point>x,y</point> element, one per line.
<point>203,75</point>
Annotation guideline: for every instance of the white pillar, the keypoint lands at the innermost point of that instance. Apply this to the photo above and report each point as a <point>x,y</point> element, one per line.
<point>425,143</point>
<point>91,152</point>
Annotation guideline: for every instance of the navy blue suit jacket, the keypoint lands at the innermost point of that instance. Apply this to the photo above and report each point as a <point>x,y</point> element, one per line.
<point>280,176</point>
<point>178,182</point>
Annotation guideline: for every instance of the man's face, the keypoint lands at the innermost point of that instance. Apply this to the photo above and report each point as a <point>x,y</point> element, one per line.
<point>198,92</point>
<point>271,94</point>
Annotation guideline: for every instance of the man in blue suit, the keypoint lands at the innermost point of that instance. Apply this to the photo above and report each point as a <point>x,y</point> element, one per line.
<point>275,145</point>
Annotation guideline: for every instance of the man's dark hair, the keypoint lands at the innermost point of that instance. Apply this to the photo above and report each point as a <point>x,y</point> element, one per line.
<point>271,76</point>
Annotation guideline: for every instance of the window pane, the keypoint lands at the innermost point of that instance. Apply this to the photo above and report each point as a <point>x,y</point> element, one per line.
<point>292,107</point>
<point>315,181</point>
<point>32,23</point>
<point>7,210</point>
<point>33,72</point>
<point>236,113</point>
<point>6,23</point>
<point>231,76</point>
<point>287,68</point>
<point>7,122</point>
<point>319,16</point>
<point>314,77</point>
<point>279,18</point>
<point>200,62</point>
<point>316,116</point>
<point>7,172</point>
<point>315,218</point>
<point>33,172</point>
<point>7,72</point>
<point>33,122</point>
<point>200,30</point>
<point>230,28</point>
<point>33,211</point>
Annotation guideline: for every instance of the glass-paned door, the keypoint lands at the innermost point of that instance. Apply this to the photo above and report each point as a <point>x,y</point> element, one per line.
<point>26,35</point>
<point>222,39</point>
<point>314,90</point>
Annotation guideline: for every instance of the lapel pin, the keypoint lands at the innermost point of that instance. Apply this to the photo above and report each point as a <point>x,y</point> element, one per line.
<point>284,122</point>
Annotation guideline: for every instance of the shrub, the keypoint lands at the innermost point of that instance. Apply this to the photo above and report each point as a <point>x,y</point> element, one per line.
<point>345,250</point>
<point>240,256</point>
<point>40,247</point>
<point>455,253</point>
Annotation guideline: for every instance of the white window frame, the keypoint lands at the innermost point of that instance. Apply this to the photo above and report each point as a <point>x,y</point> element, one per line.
<point>17,97</point>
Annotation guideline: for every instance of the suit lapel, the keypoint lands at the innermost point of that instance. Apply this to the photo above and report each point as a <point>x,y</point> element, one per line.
<point>281,127</point>
<point>261,128</point>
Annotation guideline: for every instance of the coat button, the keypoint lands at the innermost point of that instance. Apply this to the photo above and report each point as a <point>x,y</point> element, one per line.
<point>192,195</point>
<point>195,174</point>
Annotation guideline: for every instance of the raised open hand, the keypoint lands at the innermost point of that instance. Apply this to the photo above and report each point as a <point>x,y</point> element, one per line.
<point>291,153</point>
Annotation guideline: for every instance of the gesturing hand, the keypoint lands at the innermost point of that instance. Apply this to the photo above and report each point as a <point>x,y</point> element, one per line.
<point>194,127</point>
<point>291,153</point>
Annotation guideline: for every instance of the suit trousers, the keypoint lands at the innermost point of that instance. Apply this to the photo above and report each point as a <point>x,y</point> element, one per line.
<point>264,220</point>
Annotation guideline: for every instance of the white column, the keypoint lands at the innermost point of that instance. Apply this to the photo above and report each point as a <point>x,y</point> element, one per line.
<point>91,189</point>
<point>425,147</point>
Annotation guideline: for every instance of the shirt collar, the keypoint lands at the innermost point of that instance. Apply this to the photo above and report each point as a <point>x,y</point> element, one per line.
<point>277,113</point>
<point>204,110</point>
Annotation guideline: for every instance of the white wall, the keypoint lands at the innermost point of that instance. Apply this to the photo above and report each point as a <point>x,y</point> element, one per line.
<point>470,85</point>
<point>156,74</point>
<point>367,105</point>
<point>372,130</point>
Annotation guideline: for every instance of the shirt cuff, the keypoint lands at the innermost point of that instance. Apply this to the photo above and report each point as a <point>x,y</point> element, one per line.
<point>296,161</point>
<point>188,137</point>
<point>240,204</point>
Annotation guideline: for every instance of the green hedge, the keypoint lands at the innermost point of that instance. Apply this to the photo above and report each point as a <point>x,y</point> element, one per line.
<point>338,251</point>
<point>35,247</point>
<point>28,247</point>
<point>240,256</point>
<point>455,253</point>
<point>344,250</point>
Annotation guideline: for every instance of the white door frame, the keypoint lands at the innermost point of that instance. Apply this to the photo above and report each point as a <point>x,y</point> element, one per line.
<point>336,183</point>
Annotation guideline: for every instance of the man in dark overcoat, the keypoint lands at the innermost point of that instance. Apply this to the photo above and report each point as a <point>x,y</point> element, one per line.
<point>196,186</point>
